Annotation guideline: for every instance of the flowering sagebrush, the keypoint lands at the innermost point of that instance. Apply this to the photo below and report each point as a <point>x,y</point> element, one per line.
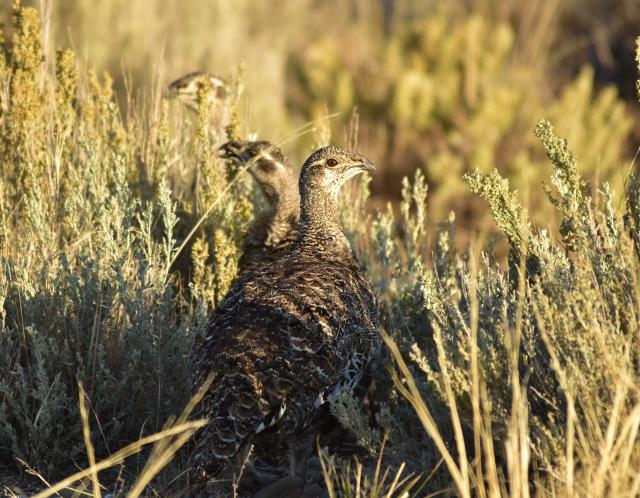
<point>118,235</point>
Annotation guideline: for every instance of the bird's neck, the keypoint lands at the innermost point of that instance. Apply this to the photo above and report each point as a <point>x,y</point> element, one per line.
<point>320,228</point>
<point>284,212</point>
<point>287,204</point>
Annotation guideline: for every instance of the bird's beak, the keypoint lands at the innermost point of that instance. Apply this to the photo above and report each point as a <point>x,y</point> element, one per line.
<point>364,164</point>
<point>171,92</point>
<point>228,151</point>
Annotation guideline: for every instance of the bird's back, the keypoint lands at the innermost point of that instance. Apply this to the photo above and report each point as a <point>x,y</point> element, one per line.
<point>287,337</point>
<point>291,334</point>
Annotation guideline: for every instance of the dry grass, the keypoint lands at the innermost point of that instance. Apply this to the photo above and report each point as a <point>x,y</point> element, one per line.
<point>120,230</point>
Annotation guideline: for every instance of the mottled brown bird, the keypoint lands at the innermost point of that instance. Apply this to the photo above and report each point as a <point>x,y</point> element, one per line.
<point>291,334</point>
<point>187,88</point>
<point>276,227</point>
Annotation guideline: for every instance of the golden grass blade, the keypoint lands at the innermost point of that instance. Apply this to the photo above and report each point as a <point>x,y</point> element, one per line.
<point>413,396</point>
<point>376,475</point>
<point>569,452</point>
<point>607,455</point>
<point>395,481</point>
<point>31,471</point>
<point>181,428</point>
<point>87,441</point>
<point>463,464</point>
<point>326,464</point>
<point>627,437</point>
<point>121,455</point>
<point>165,449</point>
<point>158,463</point>
<point>475,380</point>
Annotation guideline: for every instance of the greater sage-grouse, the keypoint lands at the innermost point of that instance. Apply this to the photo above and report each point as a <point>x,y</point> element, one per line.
<point>276,227</point>
<point>291,334</point>
<point>187,88</point>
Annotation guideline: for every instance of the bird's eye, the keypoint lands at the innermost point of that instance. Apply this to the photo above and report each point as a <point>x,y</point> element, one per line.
<point>221,92</point>
<point>267,167</point>
<point>331,162</point>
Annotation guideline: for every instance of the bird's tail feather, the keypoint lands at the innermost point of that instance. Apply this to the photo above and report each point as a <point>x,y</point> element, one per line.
<point>235,412</point>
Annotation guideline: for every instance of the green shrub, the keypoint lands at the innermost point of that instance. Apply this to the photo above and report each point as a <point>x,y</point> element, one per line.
<point>119,234</point>
<point>559,324</point>
<point>451,93</point>
<point>91,240</point>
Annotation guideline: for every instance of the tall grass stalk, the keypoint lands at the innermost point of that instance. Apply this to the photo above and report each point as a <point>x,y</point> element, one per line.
<point>120,231</point>
<point>166,442</point>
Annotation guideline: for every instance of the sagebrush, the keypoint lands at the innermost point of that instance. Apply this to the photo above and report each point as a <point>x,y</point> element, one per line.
<point>119,233</point>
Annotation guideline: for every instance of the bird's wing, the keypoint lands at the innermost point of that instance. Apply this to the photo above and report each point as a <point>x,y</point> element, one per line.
<point>279,345</point>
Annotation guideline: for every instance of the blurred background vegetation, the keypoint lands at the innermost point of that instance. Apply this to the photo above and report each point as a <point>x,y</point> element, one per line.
<point>443,86</point>
<point>103,182</point>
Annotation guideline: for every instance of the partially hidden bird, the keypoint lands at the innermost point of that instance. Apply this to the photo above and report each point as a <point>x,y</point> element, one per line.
<point>215,90</point>
<point>186,89</point>
<point>291,334</point>
<point>276,226</point>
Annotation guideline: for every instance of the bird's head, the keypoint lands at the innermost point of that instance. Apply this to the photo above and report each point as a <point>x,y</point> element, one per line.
<point>328,168</point>
<point>269,168</point>
<point>186,89</point>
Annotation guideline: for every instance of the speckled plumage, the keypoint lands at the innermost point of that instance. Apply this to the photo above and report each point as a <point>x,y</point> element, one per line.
<point>186,89</point>
<point>290,334</point>
<point>276,227</point>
